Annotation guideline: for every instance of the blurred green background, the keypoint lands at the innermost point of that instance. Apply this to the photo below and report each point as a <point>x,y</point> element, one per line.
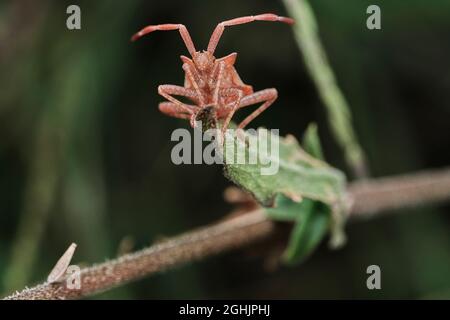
<point>85,153</point>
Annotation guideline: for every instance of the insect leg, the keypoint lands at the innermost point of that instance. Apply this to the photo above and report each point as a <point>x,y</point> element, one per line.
<point>192,75</point>
<point>168,91</point>
<point>173,110</point>
<point>218,83</point>
<point>268,96</point>
<point>238,93</point>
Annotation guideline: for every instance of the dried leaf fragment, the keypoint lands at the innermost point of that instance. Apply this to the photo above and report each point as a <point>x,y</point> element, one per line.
<point>63,263</point>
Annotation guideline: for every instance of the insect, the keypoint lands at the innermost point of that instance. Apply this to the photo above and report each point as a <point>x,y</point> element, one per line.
<point>213,85</point>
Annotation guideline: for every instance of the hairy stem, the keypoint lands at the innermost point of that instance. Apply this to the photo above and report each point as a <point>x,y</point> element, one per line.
<point>368,198</point>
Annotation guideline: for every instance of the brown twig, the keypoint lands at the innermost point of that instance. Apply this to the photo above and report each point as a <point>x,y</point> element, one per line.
<point>367,197</point>
<point>406,191</point>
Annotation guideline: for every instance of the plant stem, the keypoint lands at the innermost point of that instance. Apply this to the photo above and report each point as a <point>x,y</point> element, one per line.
<point>408,191</point>
<point>366,199</point>
<point>316,61</point>
<point>194,245</point>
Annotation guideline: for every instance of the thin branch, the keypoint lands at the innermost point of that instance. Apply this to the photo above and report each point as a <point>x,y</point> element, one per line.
<point>407,191</point>
<point>306,32</point>
<point>368,198</point>
<point>194,245</point>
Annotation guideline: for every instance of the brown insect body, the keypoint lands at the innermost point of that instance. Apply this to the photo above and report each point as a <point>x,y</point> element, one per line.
<point>207,67</point>
<point>210,82</point>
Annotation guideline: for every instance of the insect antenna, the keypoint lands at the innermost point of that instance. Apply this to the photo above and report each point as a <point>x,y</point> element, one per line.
<point>167,27</point>
<point>218,31</point>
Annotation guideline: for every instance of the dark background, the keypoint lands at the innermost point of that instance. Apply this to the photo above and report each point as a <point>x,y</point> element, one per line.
<point>85,153</point>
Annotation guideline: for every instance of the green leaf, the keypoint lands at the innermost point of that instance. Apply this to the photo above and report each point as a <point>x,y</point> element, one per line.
<point>299,174</point>
<point>304,189</point>
<point>284,209</point>
<point>312,222</point>
<point>308,232</point>
<point>311,142</point>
